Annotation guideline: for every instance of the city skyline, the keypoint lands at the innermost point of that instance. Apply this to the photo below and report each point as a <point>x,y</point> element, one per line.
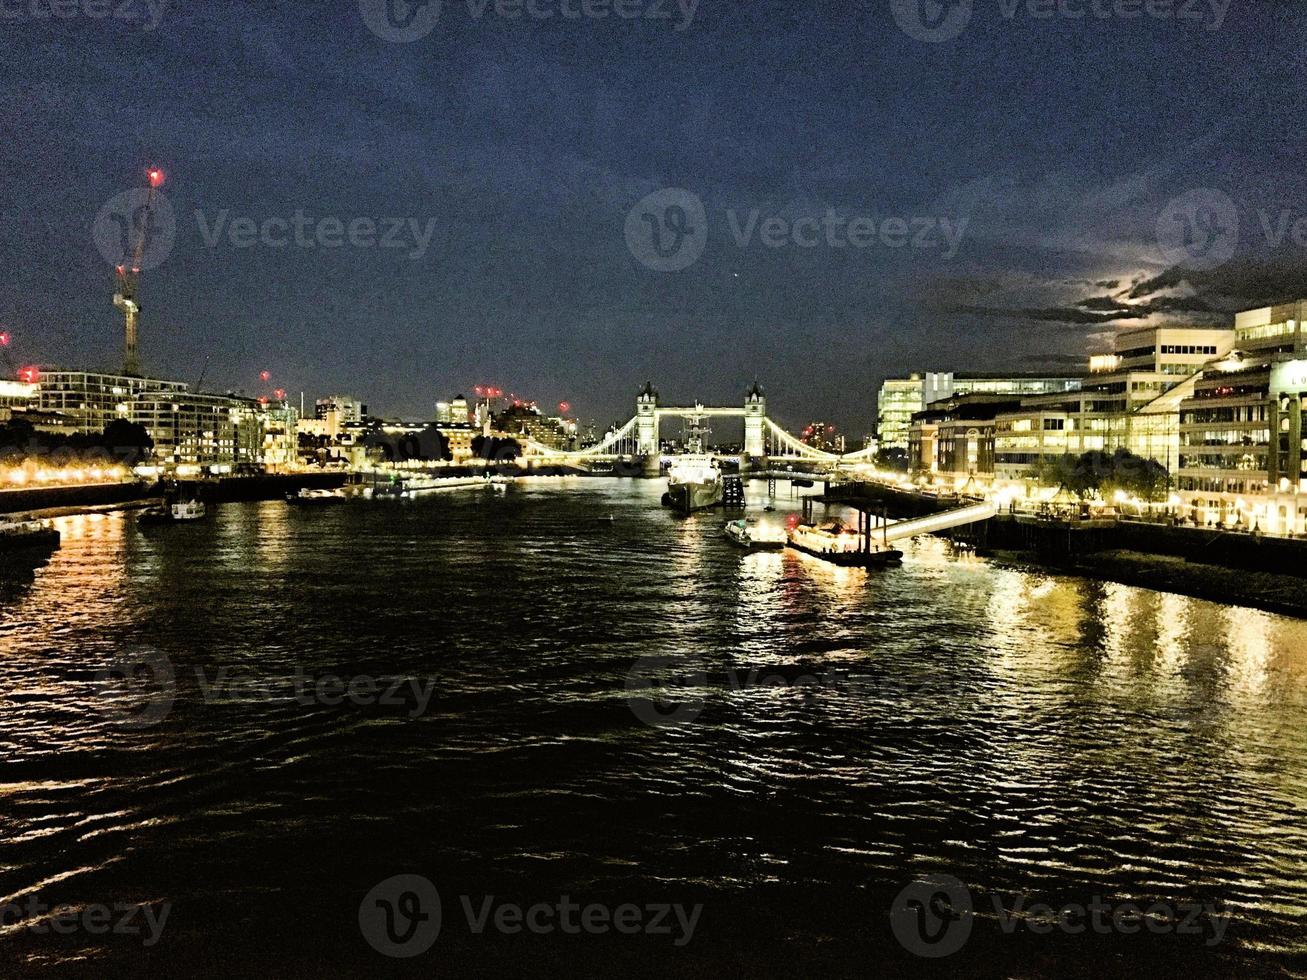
<point>1037,243</point>
<point>653,488</point>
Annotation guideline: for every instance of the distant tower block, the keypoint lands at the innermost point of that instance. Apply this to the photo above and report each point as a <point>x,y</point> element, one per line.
<point>646,421</point>
<point>755,412</point>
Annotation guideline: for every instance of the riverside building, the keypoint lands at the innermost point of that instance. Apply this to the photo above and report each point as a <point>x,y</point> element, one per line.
<point>219,432</point>
<point>901,398</point>
<point>1242,454</point>
<point>1129,400</point>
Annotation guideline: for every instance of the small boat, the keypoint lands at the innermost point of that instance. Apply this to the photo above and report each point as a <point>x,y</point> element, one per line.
<point>181,510</point>
<point>26,537</point>
<point>305,497</point>
<point>752,537</point>
<point>385,491</point>
<point>835,542</point>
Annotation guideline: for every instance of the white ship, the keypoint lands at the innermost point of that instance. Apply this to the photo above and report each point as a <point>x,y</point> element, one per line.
<point>693,482</point>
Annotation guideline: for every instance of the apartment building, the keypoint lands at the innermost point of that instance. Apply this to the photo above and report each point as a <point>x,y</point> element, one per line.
<point>222,432</point>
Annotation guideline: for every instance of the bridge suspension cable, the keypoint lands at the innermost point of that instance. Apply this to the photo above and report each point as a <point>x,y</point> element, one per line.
<point>621,442</point>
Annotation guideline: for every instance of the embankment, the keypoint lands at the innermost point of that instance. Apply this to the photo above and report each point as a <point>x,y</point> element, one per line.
<point>1262,572</point>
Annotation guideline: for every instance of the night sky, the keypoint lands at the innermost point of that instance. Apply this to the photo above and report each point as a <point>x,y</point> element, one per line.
<point>1056,144</point>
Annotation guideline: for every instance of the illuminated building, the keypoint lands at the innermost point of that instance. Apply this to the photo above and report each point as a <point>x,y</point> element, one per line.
<point>458,413</point>
<point>187,427</point>
<point>954,438</point>
<point>17,395</point>
<point>528,421</point>
<point>821,435</point>
<point>1273,330</point>
<point>338,412</point>
<point>901,398</point>
<point>1242,457</point>
<point>1130,400</point>
<point>91,400</point>
<point>280,436</point>
<point>222,432</point>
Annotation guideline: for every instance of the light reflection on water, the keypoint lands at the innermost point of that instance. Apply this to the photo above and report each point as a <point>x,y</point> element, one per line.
<point>1020,730</point>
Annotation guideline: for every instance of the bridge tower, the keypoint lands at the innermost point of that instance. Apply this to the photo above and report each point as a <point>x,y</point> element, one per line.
<point>755,411</point>
<point>646,425</point>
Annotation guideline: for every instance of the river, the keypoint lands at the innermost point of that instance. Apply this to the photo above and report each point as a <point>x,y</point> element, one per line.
<point>565,693</point>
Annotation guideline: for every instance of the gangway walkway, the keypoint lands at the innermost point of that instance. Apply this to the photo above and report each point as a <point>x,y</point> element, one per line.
<point>942,521</point>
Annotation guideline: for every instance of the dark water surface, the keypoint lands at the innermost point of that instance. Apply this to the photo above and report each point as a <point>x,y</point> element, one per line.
<point>1038,738</point>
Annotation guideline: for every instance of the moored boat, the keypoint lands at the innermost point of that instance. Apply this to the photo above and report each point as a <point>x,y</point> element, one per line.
<point>26,537</point>
<point>305,497</point>
<point>752,536</point>
<point>839,544</point>
<point>693,482</point>
<point>179,511</point>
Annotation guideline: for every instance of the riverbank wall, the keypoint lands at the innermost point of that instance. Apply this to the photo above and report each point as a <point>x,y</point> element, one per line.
<point>1224,566</point>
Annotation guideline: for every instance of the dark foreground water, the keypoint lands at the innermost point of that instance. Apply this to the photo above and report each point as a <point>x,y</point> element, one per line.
<point>1014,737</point>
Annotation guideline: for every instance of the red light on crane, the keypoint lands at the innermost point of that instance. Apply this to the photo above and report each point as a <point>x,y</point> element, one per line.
<point>4,339</point>
<point>30,375</point>
<point>265,375</point>
<point>281,394</point>
<point>564,408</point>
<point>156,176</point>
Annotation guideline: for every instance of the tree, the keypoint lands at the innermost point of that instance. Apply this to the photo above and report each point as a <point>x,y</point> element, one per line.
<point>892,458</point>
<point>424,446</point>
<point>128,441</point>
<point>1136,476</point>
<point>1103,473</point>
<point>496,450</point>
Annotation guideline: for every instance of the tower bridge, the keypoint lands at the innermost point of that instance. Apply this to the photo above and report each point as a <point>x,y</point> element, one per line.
<point>768,447</point>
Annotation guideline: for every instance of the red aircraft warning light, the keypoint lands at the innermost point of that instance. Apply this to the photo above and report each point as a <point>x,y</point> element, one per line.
<point>564,408</point>
<point>29,375</point>
<point>265,375</point>
<point>281,394</point>
<point>5,338</point>
<point>156,176</point>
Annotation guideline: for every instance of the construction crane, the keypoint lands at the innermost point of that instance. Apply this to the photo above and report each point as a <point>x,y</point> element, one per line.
<point>124,297</point>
